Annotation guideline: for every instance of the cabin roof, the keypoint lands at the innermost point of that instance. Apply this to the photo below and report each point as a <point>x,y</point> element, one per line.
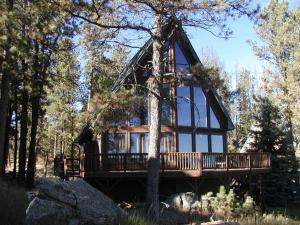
<point>146,50</point>
<point>169,29</point>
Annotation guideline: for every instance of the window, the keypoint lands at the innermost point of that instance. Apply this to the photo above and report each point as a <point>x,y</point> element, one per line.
<point>201,143</point>
<point>214,123</point>
<point>217,143</point>
<point>166,58</point>
<point>116,143</point>
<point>183,106</point>
<point>185,142</point>
<point>140,117</point>
<point>139,142</point>
<point>200,111</point>
<point>180,60</point>
<point>166,142</point>
<point>166,105</point>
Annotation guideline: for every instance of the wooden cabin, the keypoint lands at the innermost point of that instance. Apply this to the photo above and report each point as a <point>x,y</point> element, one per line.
<point>193,132</point>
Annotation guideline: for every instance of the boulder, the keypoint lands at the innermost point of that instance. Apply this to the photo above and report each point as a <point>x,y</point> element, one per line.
<point>47,212</point>
<point>93,207</point>
<point>184,201</point>
<point>72,202</point>
<point>57,190</point>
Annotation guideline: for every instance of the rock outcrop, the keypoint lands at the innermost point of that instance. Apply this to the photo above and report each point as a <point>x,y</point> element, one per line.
<point>71,202</point>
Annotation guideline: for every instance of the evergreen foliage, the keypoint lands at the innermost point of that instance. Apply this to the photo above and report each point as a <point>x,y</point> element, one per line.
<point>269,134</point>
<point>278,29</point>
<point>225,205</point>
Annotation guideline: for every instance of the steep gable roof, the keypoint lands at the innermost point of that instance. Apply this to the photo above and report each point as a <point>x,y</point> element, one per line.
<point>146,50</point>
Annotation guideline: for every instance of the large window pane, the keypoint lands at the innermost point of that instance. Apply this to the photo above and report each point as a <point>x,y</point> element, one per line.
<point>180,60</point>
<point>166,58</point>
<point>184,142</point>
<point>140,116</point>
<point>201,143</point>
<point>183,106</point>
<point>145,142</point>
<point>214,123</point>
<point>139,142</point>
<point>115,143</point>
<point>166,142</point>
<point>166,105</point>
<point>217,143</point>
<point>200,108</point>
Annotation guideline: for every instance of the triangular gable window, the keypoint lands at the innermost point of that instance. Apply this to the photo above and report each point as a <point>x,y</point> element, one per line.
<point>180,60</point>
<point>214,123</point>
<point>200,112</point>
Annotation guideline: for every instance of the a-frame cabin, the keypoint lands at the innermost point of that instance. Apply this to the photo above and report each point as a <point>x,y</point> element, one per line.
<point>194,131</point>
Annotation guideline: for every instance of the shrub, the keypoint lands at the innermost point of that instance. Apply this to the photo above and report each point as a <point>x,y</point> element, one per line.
<point>227,206</point>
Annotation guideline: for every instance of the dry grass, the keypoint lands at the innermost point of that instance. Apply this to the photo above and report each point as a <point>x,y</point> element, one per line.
<point>173,217</point>
<point>13,204</point>
<point>269,219</point>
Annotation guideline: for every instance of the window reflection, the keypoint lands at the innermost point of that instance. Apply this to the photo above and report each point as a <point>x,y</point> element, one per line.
<point>166,142</point>
<point>201,143</point>
<point>139,142</point>
<point>183,106</point>
<point>185,142</point>
<point>166,58</point>
<point>180,60</point>
<point>116,143</point>
<point>140,116</point>
<point>217,143</point>
<point>214,123</point>
<point>200,108</point>
<point>166,105</point>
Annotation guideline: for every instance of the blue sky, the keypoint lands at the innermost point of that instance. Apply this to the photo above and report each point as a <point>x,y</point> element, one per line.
<point>234,52</point>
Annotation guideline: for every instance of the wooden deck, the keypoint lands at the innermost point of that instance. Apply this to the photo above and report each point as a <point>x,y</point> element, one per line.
<point>175,164</point>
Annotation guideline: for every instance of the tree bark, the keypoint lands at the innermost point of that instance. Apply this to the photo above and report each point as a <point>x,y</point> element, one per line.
<point>46,159</point>
<point>6,142</point>
<point>32,145</point>
<point>155,124</point>
<point>4,101</point>
<point>37,87</point>
<point>16,139</point>
<point>23,137</point>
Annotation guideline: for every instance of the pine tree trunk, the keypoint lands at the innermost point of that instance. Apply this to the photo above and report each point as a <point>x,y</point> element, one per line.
<point>4,102</point>
<point>155,125</point>
<point>23,137</point>
<point>6,142</point>
<point>46,159</point>
<point>37,87</point>
<point>55,145</point>
<point>16,139</point>
<point>32,145</point>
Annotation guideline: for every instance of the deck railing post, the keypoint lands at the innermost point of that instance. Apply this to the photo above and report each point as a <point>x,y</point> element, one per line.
<point>226,161</point>
<point>250,161</point>
<point>201,163</point>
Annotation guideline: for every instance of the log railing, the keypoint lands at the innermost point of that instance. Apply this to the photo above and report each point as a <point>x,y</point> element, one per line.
<point>194,161</point>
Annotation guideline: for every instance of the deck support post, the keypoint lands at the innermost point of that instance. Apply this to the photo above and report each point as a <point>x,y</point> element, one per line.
<point>162,162</point>
<point>124,162</point>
